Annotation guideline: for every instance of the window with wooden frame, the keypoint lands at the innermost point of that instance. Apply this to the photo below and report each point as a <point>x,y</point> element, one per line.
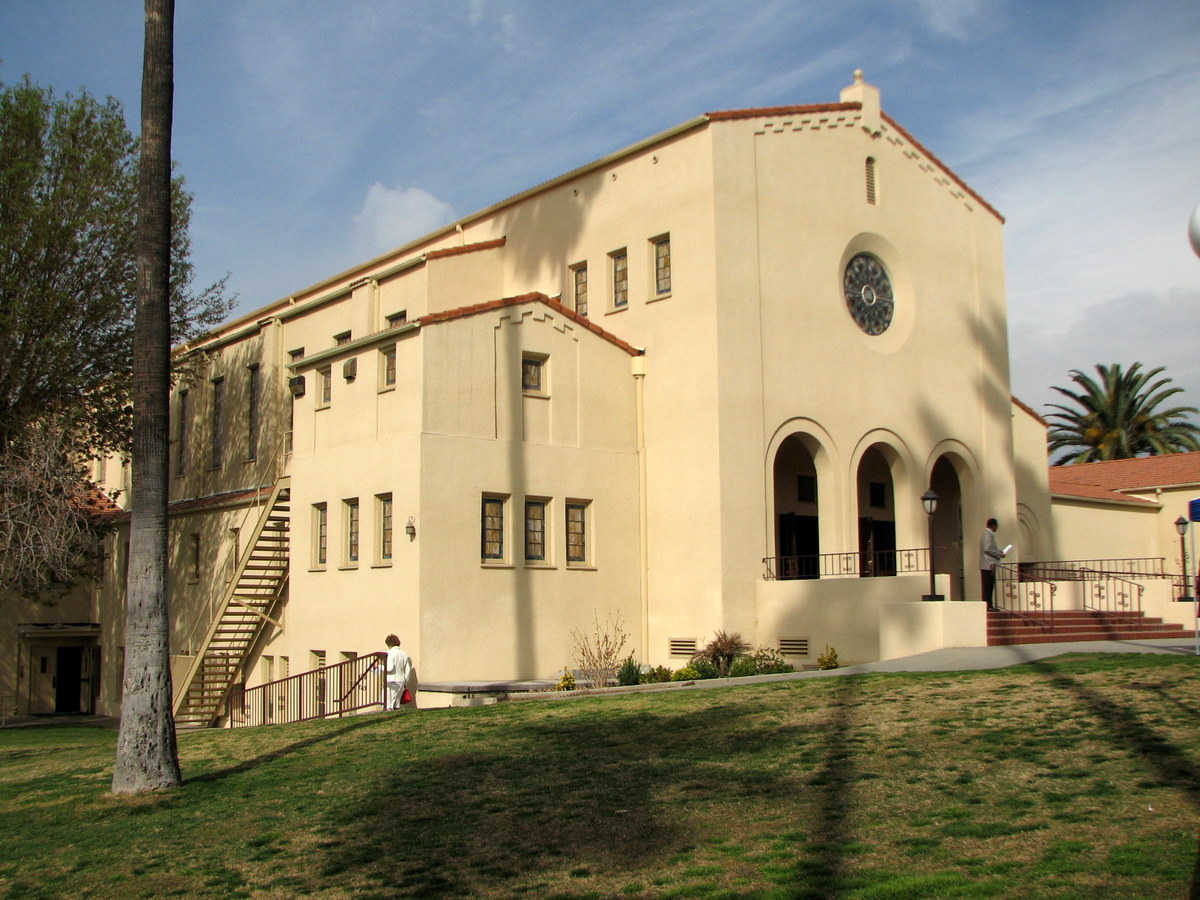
<point>662,265</point>
<point>320,540</point>
<point>387,367</point>
<point>492,528</point>
<point>577,514</point>
<point>383,505</point>
<point>620,278</point>
<point>535,529</point>
<point>325,385</point>
<point>218,415</point>
<point>350,513</point>
<point>579,287</point>
<point>253,389</point>
<point>533,374</point>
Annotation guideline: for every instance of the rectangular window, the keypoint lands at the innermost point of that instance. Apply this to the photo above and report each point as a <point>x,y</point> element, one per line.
<point>620,279</point>
<point>662,265</point>
<point>492,528</point>
<point>395,320</point>
<point>387,366</point>
<point>384,502</point>
<point>126,476</point>
<point>194,557</point>
<point>352,529</point>
<point>533,374</point>
<point>325,383</point>
<point>218,410</point>
<point>296,355</point>
<point>181,445</point>
<point>535,530</point>
<point>320,534</point>
<point>579,288</point>
<point>253,385</point>
<point>343,338</point>
<point>577,532</point>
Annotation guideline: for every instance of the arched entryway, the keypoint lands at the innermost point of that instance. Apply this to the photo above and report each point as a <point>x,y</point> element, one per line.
<point>948,525</point>
<point>876,514</point>
<point>797,516</point>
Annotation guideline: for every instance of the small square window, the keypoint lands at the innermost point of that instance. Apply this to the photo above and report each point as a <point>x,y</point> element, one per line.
<point>620,279</point>
<point>533,374</point>
<point>296,355</point>
<point>342,339</point>
<point>395,320</point>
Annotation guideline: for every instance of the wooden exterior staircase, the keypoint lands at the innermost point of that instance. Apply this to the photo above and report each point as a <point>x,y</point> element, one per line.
<point>247,605</point>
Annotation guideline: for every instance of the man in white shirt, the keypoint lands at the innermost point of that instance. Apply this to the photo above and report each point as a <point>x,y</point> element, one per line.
<point>400,675</point>
<point>989,555</point>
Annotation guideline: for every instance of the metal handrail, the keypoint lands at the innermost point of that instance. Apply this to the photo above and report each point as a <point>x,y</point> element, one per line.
<point>304,696</point>
<point>855,563</point>
<point>1020,596</point>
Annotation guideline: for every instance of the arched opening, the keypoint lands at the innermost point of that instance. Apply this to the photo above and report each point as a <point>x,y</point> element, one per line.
<point>948,525</point>
<point>876,514</point>
<point>797,520</point>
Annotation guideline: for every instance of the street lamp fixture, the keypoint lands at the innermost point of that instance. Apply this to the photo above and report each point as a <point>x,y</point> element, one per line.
<point>929,500</point>
<point>1181,525</point>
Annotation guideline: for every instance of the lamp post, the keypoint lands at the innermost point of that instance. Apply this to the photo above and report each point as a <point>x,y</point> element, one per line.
<point>1181,525</point>
<point>930,501</point>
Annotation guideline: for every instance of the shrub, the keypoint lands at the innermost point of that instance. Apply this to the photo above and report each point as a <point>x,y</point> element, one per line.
<point>742,666</point>
<point>769,661</point>
<point>598,654</point>
<point>705,667</point>
<point>722,650</point>
<point>687,673</point>
<point>566,682</point>
<point>828,659</point>
<point>657,675</point>
<point>629,673</point>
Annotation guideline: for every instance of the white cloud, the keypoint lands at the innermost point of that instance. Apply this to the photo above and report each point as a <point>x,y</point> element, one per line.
<point>390,217</point>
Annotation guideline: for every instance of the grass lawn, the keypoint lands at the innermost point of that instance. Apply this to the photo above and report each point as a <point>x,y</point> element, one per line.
<point>1077,777</point>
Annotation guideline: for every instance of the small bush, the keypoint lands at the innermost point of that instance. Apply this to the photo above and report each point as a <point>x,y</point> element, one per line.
<point>687,673</point>
<point>566,682</point>
<point>722,650</point>
<point>657,675</point>
<point>769,661</point>
<point>742,666</point>
<point>828,659</point>
<point>629,673</point>
<point>706,667</point>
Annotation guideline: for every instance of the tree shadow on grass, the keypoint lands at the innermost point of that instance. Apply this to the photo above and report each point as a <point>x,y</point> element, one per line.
<point>1127,731</point>
<point>620,793</point>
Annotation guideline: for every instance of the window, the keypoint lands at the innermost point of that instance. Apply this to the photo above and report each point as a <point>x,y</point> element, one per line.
<point>182,441</point>
<point>296,355</point>
<point>535,530</point>
<point>194,557</point>
<point>620,279</point>
<point>662,265</point>
<point>387,367</point>
<point>533,374</point>
<point>492,528</point>
<point>350,513</point>
<point>235,536</point>
<point>870,180</point>
<point>320,534</point>
<point>579,288</point>
<point>384,507</point>
<point>252,403</point>
<point>577,532</point>
<point>395,320</point>
<point>126,475</point>
<point>343,338</point>
<point>325,383</point>
<point>218,439</point>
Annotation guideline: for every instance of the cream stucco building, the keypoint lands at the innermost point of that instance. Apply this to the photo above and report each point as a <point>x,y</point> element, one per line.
<point>700,384</point>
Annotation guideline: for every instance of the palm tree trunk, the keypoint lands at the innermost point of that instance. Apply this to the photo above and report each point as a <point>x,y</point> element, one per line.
<point>147,757</point>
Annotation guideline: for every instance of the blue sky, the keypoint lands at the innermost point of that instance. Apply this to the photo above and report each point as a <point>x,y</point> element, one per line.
<point>318,134</point>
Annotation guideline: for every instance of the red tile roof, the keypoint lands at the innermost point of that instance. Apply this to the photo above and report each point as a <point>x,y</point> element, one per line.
<point>759,112</point>
<point>1029,409</point>
<point>466,248</point>
<point>535,297</point>
<point>1141,474</point>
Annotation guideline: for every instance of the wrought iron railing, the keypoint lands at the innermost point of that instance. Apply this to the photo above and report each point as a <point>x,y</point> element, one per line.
<point>877,563</point>
<point>1112,595</point>
<point>1060,570</point>
<point>329,691</point>
<point>1024,594</point>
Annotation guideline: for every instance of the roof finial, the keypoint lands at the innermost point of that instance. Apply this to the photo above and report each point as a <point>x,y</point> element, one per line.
<point>858,76</point>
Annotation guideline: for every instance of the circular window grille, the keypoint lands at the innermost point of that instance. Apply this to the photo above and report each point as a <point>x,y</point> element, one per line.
<point>868,293</point>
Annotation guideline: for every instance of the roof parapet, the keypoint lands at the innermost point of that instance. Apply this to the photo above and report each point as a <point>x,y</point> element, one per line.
<point>867,96</point>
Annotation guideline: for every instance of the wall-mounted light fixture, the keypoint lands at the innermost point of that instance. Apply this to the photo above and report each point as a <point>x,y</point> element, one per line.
<point>411,528</point>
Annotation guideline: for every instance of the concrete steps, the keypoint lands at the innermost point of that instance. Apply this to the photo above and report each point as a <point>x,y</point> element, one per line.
<point>1005,628</point>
